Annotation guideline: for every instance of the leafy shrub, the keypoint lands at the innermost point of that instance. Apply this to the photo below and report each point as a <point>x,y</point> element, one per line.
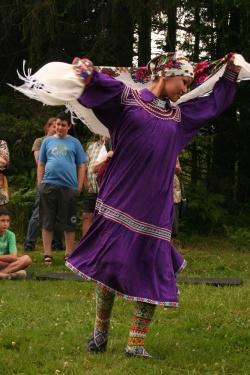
<point>240,237</point>
<point>205,210</point>
<point>20,206</point>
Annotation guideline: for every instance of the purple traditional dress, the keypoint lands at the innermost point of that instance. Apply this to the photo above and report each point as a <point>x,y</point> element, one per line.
<point>127,249</point>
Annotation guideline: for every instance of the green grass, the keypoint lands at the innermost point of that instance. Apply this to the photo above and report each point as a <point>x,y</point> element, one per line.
<point>44,325</point>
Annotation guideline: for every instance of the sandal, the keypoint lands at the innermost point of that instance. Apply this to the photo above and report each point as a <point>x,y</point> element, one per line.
<point>47,259</point>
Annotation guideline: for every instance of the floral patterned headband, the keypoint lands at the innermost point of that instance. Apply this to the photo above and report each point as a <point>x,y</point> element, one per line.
<point>167,65</point>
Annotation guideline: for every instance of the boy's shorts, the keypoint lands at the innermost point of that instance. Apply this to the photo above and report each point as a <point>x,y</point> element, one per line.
<point>89,202</point>
<point>57,205</point>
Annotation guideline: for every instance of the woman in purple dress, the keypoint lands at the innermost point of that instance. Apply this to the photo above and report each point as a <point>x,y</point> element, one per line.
<point>127,250</point>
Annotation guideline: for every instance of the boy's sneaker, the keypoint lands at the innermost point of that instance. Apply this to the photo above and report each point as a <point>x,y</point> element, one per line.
<point>18,275</point>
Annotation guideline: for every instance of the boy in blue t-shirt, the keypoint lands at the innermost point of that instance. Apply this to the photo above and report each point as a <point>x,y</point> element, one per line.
<point>11,266</point>
<point>60,177</point>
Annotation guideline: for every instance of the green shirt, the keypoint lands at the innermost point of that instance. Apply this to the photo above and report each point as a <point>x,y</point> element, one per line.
<point>8,243</point>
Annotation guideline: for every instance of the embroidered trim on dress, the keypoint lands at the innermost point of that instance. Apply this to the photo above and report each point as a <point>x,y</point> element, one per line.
<point>132,97</point>
<point>184,264</point>
<point>130,298</point>
<point>131,223</point>
<point>159,103</point>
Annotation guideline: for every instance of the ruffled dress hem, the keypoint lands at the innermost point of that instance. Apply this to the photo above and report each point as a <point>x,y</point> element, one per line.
<point>125,296</point>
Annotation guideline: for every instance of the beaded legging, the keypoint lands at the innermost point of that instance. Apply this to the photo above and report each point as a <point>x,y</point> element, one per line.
<point>142,317</point>
<point>104,305</point>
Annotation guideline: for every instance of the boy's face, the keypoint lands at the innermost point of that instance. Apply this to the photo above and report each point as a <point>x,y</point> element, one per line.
<point>62,127</point>
<point>4,223</point>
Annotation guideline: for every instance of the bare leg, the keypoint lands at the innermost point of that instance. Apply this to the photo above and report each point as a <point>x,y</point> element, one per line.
<point>47,241</point>
<point>87,219</point>
<point>3,265</point>
<point>19,264</point>
<point>69,242</point>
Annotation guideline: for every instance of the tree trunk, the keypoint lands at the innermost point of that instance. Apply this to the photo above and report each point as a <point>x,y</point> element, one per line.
<point>243,180</point>
<point>224,169</point>
<point>225,156</point>
<point>121,35</point>
<point>144,33</point>
<point>194,164</point>
<point>171,9</point>
<point>196,51</point>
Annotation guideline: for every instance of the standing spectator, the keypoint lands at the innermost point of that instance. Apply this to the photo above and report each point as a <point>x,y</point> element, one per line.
<point>4,190</point>
<point>34,224</point>
<point>177,198</point>
<point>102,161</point>
<point>98,154</point>
<point>60,174</point>
<point>90,196</point>
<point>11,266</point>
<point>4,155</point>
<point>4,162</point>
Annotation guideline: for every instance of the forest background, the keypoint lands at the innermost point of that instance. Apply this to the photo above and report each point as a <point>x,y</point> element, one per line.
<point>119,33</point>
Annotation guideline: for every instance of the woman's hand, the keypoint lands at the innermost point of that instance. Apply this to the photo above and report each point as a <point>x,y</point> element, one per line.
<point>84,68</point>
<point>231,65</point>
<point>109,155</point>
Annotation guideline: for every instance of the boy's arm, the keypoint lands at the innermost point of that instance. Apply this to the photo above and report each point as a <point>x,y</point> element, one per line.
<point>8,258</point>
<point>40,171</point>
<point>10,250</point>
<point>81,173</point>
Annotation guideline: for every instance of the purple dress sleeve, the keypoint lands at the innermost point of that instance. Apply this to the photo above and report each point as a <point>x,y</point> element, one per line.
<point>196,112</point>
<point>103,96</point>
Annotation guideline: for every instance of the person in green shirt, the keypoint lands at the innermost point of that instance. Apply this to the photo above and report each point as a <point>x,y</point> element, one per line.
<point>11,266</point>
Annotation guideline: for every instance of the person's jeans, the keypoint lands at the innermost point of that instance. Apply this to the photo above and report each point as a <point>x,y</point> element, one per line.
<point>34,229</point>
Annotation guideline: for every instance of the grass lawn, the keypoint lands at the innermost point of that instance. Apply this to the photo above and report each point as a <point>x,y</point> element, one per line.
<point>44,325</point>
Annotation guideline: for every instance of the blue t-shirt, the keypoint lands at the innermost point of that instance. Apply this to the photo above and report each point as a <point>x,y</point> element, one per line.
<point>61,156</point>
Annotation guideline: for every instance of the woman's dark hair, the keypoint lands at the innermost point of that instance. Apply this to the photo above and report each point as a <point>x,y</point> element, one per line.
<point>4,211</point>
